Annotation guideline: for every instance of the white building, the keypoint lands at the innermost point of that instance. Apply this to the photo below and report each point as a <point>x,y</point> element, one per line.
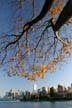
<point>35,87</point>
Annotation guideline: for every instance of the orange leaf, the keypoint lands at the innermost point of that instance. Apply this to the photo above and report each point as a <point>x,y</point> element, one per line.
<point>20,20</point>
<point>12,59</point>
<point>33,78</point>
<point>24,75</point>
<point>19,54</point>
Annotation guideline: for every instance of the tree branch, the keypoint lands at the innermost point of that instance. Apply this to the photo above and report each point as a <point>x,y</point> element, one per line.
<point>57,33</point>
<point>27,26</point>
<point>64,16</point>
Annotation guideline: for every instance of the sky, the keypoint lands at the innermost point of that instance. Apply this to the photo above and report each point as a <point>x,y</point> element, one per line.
<point>62,75</point>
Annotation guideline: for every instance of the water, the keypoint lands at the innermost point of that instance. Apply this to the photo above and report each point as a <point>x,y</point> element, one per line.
<point>65,104</point>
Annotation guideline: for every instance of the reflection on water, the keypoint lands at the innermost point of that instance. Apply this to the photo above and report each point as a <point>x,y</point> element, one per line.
<point>65,104</point>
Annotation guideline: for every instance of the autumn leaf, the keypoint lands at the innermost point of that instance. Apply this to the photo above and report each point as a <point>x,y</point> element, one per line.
<point>28,51</point>
<point>21,46</point>
<point>12,59</point>
<point>33,78</point>
<point>19,54</point>
<point>41,75</point>
<point>41,55</point>
<point>56,10</point>
<point>24,75</point>
<point>20,20</point>
<point>55,62</point>
<point>68,51</point>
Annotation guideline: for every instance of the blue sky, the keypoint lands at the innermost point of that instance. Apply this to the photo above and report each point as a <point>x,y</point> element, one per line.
<point>62,75</point>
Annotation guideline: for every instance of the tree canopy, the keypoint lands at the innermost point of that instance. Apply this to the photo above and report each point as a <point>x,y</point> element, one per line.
<point>35,35</point>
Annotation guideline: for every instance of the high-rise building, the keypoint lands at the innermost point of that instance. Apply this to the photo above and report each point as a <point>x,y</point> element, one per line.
<point>35,87</point>
<point>71,85</point>
<point>60,89</point>
<point>47,90</point>
<point>43,92</point>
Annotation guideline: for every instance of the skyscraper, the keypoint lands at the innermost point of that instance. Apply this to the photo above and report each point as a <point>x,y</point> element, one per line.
<point>35,87</point>
<point>71,85</point>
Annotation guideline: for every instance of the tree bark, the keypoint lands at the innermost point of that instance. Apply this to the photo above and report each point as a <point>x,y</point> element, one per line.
<point>64,16</point>
<point>47,5</point>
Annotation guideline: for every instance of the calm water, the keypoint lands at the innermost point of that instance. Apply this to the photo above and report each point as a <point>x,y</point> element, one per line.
<point>5,104</point>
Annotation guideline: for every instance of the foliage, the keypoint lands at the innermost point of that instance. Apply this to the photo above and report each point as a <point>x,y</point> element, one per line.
<point>31,45</point>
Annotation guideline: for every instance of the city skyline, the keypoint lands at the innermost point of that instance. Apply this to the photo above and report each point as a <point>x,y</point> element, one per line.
<point>43,87</point>
<point>61,76</point>
<point>60,90</point>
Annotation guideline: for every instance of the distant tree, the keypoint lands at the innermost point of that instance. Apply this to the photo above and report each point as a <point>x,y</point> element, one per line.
<point>30,44</point>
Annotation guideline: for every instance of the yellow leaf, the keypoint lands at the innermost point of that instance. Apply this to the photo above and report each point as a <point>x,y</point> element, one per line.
<point>24,75</point>
<point>41,75</point>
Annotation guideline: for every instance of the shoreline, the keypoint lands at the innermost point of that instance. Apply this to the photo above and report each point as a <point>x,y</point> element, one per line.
<point>49,100</point>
